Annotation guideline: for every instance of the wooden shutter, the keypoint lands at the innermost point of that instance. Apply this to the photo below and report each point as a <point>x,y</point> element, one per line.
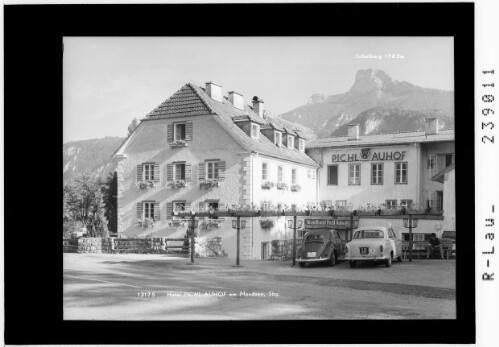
<point>221,170</point>
<point>169,210</point>
<point>202,170</point>
<point>188,171</point>
<point>156,211</point>
<point>169,133</point>
<point>139,210</point>
<point>169,172</point>
<point>188,131</point>
<point>139,172</point>
<point>156,173</point>
<point>187,206</point>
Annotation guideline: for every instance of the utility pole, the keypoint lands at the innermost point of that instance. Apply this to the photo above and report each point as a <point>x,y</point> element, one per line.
<point>238,227</point>
<point>294,240</point>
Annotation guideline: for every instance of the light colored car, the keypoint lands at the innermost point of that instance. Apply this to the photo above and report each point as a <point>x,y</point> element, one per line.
<point>378,244</point>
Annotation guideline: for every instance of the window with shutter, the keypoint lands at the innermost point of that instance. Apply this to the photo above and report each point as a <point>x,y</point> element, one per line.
<point>212,170</point>
<point>156,211</point>
<point>221,170</point>
<point>169,172</point>
<point>156,173</point>
<point>139,173</point>
<point>139,210</point>
<point>179,171</point>
<point>201,171</point>
<point>149,172</point>
<point>188,171</point>
<point>179,131</point>
<point>169,210</point>
<point>188,131</point>
<point>201,206</point>
<point>149,210</point>
<point>169,133</point>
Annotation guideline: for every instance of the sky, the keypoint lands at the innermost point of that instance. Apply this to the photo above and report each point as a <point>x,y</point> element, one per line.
<point>109,81</point>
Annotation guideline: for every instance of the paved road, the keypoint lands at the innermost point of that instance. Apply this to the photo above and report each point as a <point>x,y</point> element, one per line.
<point>156,287</point>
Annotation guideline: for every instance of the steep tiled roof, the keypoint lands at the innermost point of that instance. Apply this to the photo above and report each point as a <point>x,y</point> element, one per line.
<point>369,140</point>
<point>192,100</point>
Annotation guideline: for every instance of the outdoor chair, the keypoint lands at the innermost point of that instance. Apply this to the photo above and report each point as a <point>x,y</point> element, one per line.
<point>448,247</point>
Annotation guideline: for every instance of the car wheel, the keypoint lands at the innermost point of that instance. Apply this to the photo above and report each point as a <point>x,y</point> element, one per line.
<point>332,262</point>
<point>389,261</point>
<point>352,263</point>
<point>399,259</point>
<point>301,264</point>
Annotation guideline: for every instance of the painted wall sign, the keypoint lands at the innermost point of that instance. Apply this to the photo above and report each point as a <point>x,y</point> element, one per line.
<point>365,154</point>
<point>344,223</point>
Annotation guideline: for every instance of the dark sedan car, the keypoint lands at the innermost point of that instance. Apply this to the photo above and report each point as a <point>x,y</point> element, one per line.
<point>321,245</point>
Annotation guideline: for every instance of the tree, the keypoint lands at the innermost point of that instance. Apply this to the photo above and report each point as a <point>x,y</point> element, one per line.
<point>133,125</point>
<point>83,200</point>
<point>110,191</point>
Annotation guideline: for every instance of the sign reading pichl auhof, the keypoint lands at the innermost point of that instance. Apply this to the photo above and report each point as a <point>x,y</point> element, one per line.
<point>365,154</point>
<point>330,222</point>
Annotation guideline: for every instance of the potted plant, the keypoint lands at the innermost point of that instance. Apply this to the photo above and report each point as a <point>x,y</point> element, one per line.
<point>177,184</point>
<point>266,224</point>
<point>145,223</point>
<point>145,184</point>
<point>368,210</point>
<point>178,143</point>
<point>208,184</point>
<point>295,188</point>
<point>268,185</point>
<point>415,209</point>
<point>342,211</point>
<point>282,186</point>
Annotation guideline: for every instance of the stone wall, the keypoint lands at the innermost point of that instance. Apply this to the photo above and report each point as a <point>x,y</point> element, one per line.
<point>69,245</point>
<point>209,247</point>
<point>95,244</point>
<point>283,249</point>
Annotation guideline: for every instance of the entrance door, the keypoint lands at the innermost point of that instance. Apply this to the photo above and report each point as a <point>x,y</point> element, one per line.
<point>265,250</point>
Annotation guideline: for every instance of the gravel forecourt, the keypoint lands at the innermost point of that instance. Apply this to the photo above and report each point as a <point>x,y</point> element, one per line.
<point>159,287</point>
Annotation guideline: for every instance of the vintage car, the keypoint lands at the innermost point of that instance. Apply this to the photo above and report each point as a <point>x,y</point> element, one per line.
<point>321,245</point>
<point>378,244</point>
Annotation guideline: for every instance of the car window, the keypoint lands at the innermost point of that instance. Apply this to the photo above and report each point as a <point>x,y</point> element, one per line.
<point>392,233</point>
<point>368,234</point>
<point>316,237</point>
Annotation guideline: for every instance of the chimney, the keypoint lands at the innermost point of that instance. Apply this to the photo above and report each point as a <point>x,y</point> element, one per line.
<point>258,106</point>
<point>214,91</point>
<point>431,126</point>
<point>353,132</point>
<point>236,100</point>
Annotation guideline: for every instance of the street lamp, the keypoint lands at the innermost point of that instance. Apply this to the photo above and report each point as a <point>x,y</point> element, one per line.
<point>238,224</point>
<point>410,223</point>
<point>293,223</point>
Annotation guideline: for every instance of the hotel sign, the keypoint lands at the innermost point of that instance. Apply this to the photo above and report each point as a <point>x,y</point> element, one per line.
<point>365,154</point>
<point>342,223</point>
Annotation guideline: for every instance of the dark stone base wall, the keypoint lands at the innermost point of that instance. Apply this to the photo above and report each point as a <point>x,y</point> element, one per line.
<point>283,249</point>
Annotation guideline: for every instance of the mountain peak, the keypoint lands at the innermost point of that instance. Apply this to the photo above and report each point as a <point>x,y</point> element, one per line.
<point>370,80</point>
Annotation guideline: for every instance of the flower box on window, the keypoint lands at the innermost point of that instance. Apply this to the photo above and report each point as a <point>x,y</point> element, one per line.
<point>268,185</point>
<point>210,224</point>
<point>281,186</point>
<point>176,223</point>
<point>145,223</point>
<point>415,211</point>
<point>266,224</point>
<point>320,213</point>
<point>145,185</point>
<point>178,143</point>
<point>295,188</point>
<point>390,212</point>
<point>176,184</point>
<point>208,184</point>
<point>366,213</point>
<point>342,213</point>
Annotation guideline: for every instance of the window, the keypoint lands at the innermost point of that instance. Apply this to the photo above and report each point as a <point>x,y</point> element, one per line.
<point>255,130</point>
<point>432,165</point>
<point>301,145</point>
<point>179,131</point>
<point>265,206</point>
<point>377,174</point>
<point>148,172</point>
<point>449,159</point>
<point>291,141</point>
<point>149,210</point>
<point>391,233</point>
<point>279,174</point>
<point>178,206</point>
<point>212,170</point>
<point>354,174</point>
<point>264,171</point>
<point>179,171</point>
<point>293,176</point>
<point>391,204</point>
<point>407,203</point>
<point>401,173</point>
<point>332,175</point>
<point>277,138</point>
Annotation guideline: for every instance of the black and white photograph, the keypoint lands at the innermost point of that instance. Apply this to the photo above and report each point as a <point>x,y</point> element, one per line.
<point>269,178</point>
<point>249,173</point>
